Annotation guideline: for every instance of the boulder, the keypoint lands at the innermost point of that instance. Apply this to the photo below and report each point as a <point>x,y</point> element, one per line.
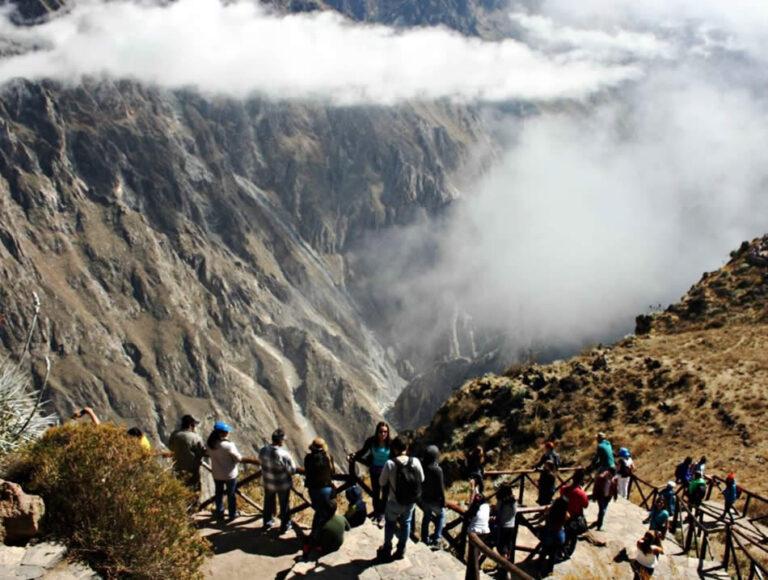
<point>20,513</point>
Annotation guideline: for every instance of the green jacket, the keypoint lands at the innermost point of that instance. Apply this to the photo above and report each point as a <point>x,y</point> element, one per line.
<point>604,457</point>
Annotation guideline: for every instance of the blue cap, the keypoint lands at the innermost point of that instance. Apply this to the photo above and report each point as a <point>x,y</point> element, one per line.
<point>222,426</point>
<point>623,452</point>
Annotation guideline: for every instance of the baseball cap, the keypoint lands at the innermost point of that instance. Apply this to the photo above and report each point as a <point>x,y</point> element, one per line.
<point>188,420</point>
<point>222,426</point>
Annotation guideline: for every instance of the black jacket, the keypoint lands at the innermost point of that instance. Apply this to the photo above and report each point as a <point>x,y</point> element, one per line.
<point>433,488</point>
<point>318,468</point>
<point>365,455</point>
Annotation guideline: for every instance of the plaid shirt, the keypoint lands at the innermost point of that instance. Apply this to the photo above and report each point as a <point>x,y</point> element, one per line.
<point>277,466</point>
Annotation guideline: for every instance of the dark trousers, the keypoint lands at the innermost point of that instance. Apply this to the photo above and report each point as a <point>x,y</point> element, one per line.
<point>231,487</point>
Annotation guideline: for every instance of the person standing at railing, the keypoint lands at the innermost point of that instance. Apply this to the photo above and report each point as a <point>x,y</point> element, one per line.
<point>670,502</point>
<point>318,471</point>
<point>476,472</point>
<point>658,519</point>
<point>224,464</point>
<point>547,484</point>
<point>700,466</point>
<point>188,450</point>
<point>375,453</point>
<point>624,469</point>
<point>683,472</point>
<point>506,516</point>
<point>432,502</point>
<point>730,494</point>
<point>549,455</point>
<point>603,459</point>
<point>604,490</point>
<point>697,489</point>
<point>277,467</point>
<point>404,477</point>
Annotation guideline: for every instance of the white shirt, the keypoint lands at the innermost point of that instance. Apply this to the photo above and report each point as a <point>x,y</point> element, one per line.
<point>480,524</point>
<point>648,560</point>
<point>224,460</point>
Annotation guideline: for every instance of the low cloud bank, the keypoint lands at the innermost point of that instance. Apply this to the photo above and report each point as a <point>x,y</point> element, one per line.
<point>239,49</point>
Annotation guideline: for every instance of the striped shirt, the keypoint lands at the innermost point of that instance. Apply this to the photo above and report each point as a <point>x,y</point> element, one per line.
<point>277,466</point>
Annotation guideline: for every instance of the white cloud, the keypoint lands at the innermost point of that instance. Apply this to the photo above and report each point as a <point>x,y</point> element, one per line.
<point>239,49</point>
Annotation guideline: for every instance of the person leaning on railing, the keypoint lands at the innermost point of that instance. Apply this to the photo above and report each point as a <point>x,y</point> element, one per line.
<point>374,454</point>
<point>277,467</point>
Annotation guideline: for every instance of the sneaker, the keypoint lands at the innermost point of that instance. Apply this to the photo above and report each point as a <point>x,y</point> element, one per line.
<point>286,527</point>
<point>383,555</point>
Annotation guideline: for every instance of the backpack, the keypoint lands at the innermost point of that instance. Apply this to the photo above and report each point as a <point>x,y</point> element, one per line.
<point>698,493</point>
<point>407,483</point>
<point>624,470</point>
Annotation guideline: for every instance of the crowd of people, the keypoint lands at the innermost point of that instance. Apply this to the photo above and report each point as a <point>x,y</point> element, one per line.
<point>400,481</point>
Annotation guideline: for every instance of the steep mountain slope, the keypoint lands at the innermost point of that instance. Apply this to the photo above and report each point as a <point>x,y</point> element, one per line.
<point>189,251</point>
<point>695,382</point>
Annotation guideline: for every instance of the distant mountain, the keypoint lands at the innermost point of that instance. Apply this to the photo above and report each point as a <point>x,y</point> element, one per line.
<point>692,381</point>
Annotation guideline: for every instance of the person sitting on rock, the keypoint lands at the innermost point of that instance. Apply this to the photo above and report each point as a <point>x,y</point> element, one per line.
<point>329,535</point>
<point>357,510</point>
<point>647,558</point>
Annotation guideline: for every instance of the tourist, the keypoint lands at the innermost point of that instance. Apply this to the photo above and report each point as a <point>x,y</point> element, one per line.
<point>143,439</point>
<point>404,476</point>
<point>658,519</point>
<point>476,472</point>
<point>506,516</point>
<point>578,501</point>
<point>604,490</point>
<point>730,494</point>
<point>683,472</point>
<point>700,466</point>
<point>670,502</point>
<point>374,454</point>
<point>647,558</point>
<point>277,467</point>
<point>603,459</point>
<point>188,450</point>
<point>224,465</point>
<point>432,502</point>
<point>553,535</point>
<point>549,455</point>
<point>318,473</point>
<point>547,484</point>
<point>329,535</point>
<point>697,489</point>
<point>625,467</point>
<point>356,510</point>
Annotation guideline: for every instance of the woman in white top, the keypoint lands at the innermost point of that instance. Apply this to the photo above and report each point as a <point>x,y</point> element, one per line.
<point>647,557</point>
<point>480,516</point>
<point>224,465</point>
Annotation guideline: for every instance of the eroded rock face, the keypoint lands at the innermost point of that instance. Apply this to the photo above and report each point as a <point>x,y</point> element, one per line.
<point>190,253</point>
<point>20,513</point>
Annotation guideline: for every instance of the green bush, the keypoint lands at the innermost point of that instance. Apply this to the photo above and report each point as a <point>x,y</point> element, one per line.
<point>111,502</point>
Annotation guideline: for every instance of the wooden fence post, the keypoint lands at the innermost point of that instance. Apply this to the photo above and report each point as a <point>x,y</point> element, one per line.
<point>473,563</point>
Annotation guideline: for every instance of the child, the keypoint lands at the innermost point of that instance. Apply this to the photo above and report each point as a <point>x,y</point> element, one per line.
<point>357,511</point>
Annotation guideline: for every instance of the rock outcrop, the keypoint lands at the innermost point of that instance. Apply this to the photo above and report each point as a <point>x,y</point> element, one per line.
<point>20,513</point>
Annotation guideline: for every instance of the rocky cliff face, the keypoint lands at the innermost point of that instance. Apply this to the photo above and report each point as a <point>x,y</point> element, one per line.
<point>190,252</point>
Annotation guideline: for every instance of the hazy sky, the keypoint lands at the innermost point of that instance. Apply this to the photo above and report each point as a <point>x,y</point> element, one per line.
<point>587,217</point>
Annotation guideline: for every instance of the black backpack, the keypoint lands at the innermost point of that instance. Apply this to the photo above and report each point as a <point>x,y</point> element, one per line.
<point>407,483</point>
<point>624,470</point>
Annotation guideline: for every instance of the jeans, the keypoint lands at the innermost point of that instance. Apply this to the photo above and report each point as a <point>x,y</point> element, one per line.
<point>399,516</point>
<point>319,497</point>
<point>231,485</point>
<point>602,507</point>
<point>269,507</point>
<point>432,514</point>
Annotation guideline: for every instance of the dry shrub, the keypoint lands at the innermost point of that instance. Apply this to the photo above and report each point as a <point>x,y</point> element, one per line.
<point>111,503</point>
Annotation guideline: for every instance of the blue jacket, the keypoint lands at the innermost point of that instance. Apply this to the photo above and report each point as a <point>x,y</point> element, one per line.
<point>731,493</point>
